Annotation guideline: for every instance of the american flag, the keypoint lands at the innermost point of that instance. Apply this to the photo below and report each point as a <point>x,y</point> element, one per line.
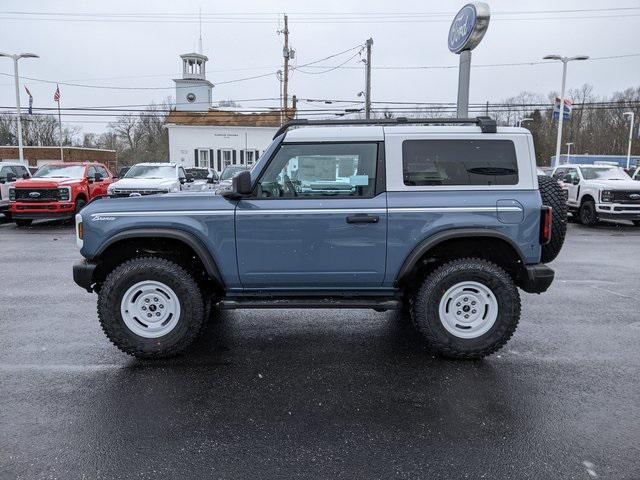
<point>30,100</point>
<point>56,96</point>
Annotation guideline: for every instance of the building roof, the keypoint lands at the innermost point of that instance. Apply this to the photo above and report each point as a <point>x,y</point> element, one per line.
<point>225,118</point>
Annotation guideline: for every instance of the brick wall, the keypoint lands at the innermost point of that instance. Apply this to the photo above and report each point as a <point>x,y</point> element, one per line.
<point>71,154</point>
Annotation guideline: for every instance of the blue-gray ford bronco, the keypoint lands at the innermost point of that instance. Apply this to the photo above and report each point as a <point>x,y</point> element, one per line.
<point>441,219</point>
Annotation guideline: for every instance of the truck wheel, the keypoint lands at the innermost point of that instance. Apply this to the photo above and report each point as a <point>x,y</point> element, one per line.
<point>150,307</point>
<point>588,215</point>
<point>553,196</point>
<point>80,203</point>
<point>467,309</point>
<point>22,222</point>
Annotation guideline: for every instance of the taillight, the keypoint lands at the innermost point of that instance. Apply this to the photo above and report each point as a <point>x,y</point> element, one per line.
<point>546,217</point>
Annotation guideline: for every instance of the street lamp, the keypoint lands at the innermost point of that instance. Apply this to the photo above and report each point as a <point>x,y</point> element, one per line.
<point>564,61</point>
<point>569,151</point>
<point>632,115</point>
<point>15,58</point>
<point>524,120</point>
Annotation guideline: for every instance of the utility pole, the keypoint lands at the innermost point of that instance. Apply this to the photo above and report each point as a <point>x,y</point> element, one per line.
<point>16,78</point>
<point>367,94</point>
<point>631,114</point>
<point>285,54</point>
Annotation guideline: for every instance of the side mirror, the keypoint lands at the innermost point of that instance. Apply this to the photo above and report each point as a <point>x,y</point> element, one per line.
<point>189,178</point>
<point>182,180</point>
<point>11,177</point>
<point>97,177</point>
<point>25,176</point>
<point>576,181</point>
<point>240,186</point>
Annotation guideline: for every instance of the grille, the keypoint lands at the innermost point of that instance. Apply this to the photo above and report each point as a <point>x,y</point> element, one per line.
<point>127,193</point>
<point>43,194</point>
<point>625,196</point>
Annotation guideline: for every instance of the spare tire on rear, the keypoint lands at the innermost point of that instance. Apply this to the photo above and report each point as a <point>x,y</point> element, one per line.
<point>554,197</point>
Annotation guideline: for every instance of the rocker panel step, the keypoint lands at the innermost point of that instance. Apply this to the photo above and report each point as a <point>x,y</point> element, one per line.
<point>367,302</point>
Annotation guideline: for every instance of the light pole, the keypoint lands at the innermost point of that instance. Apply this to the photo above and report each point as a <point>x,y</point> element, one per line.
<point>15,58</point>
<point>632,115</point>
<point>564,61</point>
<point>524,120</point>
<point>569,151</point>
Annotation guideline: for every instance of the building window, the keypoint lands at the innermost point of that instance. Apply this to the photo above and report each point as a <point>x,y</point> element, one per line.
<point>203,158</point>
<point>227,156</point>
<point>249,157</point>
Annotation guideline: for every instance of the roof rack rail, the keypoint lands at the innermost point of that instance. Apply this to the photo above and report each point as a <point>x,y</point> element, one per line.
<point>486,124</point>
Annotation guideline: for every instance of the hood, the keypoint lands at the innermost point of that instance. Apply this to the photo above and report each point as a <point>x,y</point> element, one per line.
<point>615,184</point>
<point>46,182</point>
<point>153,203</point>
<point>145,183</point>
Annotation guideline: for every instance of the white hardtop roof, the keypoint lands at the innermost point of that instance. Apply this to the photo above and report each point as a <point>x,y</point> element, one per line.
<point>13,162</point>
<point>586,165</point>
<point>376,133</point>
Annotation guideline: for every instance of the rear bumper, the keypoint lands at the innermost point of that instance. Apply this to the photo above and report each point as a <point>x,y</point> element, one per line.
<point>83,274</point>
<point>537,278</point>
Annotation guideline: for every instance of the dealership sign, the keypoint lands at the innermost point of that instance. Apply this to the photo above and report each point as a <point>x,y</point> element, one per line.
<point>468,27</point>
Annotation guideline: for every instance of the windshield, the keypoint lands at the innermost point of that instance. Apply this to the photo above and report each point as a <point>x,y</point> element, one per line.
<point>151,171</point>
<point>603,173</point>
<point>60,171</point>
<point>229,172</point>
<point>198,173</point>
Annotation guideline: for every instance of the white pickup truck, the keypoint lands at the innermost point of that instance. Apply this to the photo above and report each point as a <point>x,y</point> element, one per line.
<point>10,172</point>
<point>596,192</point>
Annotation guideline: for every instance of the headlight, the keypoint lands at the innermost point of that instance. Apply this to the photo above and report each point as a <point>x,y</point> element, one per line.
<point>64,193</point>
<point>606,196</point>
<point>12,194</point>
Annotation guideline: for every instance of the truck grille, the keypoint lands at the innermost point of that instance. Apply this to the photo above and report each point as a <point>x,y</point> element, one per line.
<point>626,196</point>
<point>37,194</point>
<point>116,193</point>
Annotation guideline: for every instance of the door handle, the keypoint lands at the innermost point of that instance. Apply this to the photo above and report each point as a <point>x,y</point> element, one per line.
<point>362,218</point>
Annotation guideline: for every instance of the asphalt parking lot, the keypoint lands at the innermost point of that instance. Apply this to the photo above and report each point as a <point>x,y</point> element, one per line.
<point>322,394</point>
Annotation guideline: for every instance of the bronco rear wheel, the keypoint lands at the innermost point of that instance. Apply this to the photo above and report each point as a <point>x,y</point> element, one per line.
<point>23,222</point>
<point>554,197</point>
<point>150,308</point>
<point>468,308</point>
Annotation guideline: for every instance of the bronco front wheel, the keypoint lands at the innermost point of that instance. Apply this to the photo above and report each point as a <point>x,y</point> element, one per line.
<point>150,308</point>
<point>468,308</point>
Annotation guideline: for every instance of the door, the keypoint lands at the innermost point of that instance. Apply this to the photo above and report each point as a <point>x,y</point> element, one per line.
<point>314,220</point>
<point>571,183</point>
<point>93,186</point>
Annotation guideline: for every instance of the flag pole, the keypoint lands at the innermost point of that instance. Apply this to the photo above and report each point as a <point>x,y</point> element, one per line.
<point>60,126</point>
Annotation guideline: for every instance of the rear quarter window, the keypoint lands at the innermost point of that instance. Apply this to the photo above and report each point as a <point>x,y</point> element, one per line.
<point>459,162</point>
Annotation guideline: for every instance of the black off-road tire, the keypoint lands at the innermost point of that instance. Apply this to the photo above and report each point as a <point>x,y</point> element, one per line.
<point>80,203</point>
<point>171,274</point>
<point>426,317</point>
<point>588,214</point>
<point>23,222</point>
<point>554,197</point>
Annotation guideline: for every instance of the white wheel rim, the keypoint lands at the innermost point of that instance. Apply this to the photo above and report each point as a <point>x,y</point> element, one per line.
<point>468,309</point>
<point>150,309</point>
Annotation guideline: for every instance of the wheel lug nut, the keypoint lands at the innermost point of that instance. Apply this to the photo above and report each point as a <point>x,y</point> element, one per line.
<point>458,312</point>
<point>155,299</point>
<point>473,302</point>
<point>146,300</point>
<point>161,306</point>
<point>473,311</point>
<point>465,299</point>
<point>157,314</point>
<point>149,315</point>
<point>466,316</point>
<point>144,308</point>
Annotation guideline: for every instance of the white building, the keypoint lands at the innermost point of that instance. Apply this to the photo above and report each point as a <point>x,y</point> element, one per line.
<point>200,135</point>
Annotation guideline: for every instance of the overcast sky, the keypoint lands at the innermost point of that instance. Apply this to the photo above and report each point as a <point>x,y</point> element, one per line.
<point>120,50</point>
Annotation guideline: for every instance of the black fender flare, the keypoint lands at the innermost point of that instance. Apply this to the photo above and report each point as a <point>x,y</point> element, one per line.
<point>186,237</point>
<point>437,238</point>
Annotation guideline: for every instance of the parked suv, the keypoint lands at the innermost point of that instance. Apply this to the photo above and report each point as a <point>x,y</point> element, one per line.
<point>149,179</point>
<point>597,192</point>
<point>445,222</point>
<point>58,190</point>
<point>10,172</point>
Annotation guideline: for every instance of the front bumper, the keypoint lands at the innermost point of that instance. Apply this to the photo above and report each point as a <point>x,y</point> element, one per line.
<point>34,211</point>
<point>618,211</point>
<point>83,274</point>
<point>537,278</point>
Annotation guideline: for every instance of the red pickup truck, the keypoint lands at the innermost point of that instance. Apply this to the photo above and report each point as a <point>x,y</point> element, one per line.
<point>58,190</point>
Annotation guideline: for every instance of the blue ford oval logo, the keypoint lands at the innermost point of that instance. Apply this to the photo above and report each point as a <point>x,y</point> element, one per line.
<point>34,194</point>
<point>462,28</point>
<point>634,196</point>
